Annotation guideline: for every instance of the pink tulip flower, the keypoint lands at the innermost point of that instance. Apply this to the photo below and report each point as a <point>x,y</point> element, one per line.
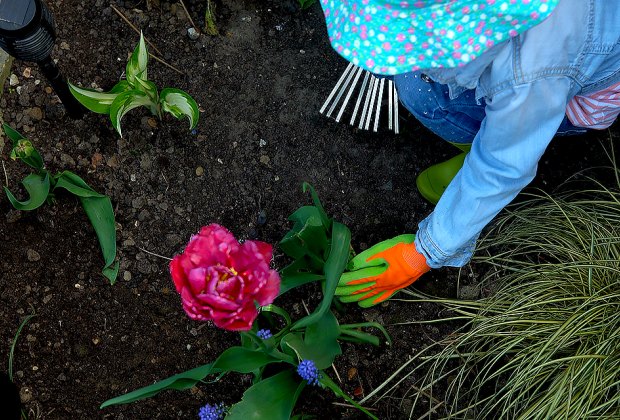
<point>223,281</point>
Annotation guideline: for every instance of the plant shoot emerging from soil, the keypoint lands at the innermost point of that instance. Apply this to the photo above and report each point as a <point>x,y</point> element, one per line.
<point>41,186</point>
<point>138,91</point>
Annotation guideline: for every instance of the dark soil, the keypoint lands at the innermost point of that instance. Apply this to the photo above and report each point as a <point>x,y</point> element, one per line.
<point>260,84</point>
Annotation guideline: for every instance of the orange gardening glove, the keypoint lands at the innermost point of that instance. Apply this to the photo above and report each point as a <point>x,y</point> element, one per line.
<point>382,270</point>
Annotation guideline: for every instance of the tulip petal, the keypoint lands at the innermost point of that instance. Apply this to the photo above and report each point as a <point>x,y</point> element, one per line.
<point>217,303</point>
<point>269,292</point>
<point>197,280</point>
<point>239,321</point>
<point>177,272</point>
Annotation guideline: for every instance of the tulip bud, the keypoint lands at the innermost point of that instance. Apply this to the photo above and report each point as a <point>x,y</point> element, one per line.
<point>25,151</point>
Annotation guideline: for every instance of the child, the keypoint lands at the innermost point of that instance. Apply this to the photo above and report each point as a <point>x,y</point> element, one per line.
<point>498,79</point>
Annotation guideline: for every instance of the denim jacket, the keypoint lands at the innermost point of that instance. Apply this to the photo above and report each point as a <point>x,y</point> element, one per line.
<point>526,83</point>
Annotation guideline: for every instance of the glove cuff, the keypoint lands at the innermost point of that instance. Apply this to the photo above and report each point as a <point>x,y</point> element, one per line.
<point>416,260</point>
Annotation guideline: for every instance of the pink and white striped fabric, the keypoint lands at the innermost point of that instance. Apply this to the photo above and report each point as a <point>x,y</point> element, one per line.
<point>597,110</point>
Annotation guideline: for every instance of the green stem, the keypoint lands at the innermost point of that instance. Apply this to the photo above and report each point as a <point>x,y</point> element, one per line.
<point>12,351</point>
<point>368,325</point>
<point>359,337</point>
<point>278,311</point>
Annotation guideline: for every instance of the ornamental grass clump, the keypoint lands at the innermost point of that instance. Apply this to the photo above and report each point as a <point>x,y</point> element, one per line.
<point>546,344</point>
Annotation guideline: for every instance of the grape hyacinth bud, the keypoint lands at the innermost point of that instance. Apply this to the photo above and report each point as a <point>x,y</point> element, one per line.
<point>308,371</point>
<point>212,412</point>
<point>264,334</point>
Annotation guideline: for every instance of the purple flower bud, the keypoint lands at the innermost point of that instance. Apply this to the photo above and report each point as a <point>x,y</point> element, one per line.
<point>212,412</point>
<point>308,371</point>
<point>264,334</point>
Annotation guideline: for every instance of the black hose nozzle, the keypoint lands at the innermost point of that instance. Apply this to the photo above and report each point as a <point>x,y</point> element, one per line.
<point>27,33</point>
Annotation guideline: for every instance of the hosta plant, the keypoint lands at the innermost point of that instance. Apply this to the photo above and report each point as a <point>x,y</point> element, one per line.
<point>231,284</point>
<point>136,91</point>
<point>41,186</point>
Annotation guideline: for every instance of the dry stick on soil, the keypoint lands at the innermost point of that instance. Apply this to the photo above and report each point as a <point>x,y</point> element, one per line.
<point>154,57</point>
<point>352,406</point>
<point>6,176</point>
<point>189,17</point>
<point>433,410</point>
<point>154,254</point>
<point>122,16</point>
<point>132,26</point>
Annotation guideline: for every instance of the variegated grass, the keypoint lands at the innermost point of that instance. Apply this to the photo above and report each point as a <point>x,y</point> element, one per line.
<point>546,343</point>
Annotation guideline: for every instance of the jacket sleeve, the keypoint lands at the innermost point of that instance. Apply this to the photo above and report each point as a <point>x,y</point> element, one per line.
<point>519,125</point>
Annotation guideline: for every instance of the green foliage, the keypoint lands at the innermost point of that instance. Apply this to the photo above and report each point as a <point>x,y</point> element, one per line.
<point>233,359</point>
<point>319,248</point>
<point>41,186</point>
<point>545,345</point>
<point>271,398</point>
<point>210,25</point>
<point>305,4</point>
<point>137,91</point>
<point>12,351</point>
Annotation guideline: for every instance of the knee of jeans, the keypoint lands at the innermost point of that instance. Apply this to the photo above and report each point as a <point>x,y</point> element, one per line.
<point>419,95</point>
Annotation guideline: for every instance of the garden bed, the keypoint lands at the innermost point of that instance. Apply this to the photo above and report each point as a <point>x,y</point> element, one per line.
<point>259,84</point>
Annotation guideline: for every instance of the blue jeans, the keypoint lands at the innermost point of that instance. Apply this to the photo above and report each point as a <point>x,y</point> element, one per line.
<point>455,120</point>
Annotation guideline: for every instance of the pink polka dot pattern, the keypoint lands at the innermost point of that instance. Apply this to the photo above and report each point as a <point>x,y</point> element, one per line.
<point>398,36</point>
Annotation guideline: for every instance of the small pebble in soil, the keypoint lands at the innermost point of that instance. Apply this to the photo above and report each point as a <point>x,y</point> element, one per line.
<point>33,255</point>
<point>25,395</point>
<point>262,218</point>
<point>13,216</point>
<point>193,34</point>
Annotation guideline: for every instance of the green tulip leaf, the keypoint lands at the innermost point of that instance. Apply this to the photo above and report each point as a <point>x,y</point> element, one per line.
<point>320,341</point>
<point>307,238</point>
<point>75,185</point>
<point>271,308</point>
<point>98,209</point>
<point>137,64</point>
<point>38,188</point>
<point>297,274</point>
<point>233,359</point>
<point>180,104</point>
<point>124,103</point>
<point>317,203</point>
<point>273,398</point>
<point>93,100</point>
<point>12,134</point>
<point>334,267</point>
